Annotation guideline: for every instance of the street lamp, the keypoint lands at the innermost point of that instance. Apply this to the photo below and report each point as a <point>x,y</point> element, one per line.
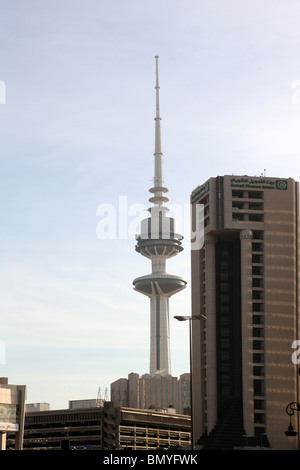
<point>189,319</point>
<point>290,409</point>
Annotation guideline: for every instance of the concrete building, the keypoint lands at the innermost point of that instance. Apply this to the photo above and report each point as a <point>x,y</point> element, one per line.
<point>104,428</point>
<point>69,429</point>
<point>29,407</point>
<point>159,392</point>
<point>245,280</point>
<point>12,412</point>
<point>132,429</point>
<point>89,403</point>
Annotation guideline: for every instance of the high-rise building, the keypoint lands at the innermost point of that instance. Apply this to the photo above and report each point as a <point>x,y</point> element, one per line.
<point>245,280</point>
<point>152,392</point>
<point>159,241</point>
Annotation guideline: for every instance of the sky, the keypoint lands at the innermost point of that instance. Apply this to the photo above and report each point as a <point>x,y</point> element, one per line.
<point>77,108</point>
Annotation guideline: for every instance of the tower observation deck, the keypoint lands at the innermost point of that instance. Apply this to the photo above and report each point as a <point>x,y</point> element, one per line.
<point>159,241</point>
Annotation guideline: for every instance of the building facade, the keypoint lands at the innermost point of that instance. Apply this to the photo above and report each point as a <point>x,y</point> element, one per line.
<point>159,392</point>
<point>12,413</point>
<point>103,428</point>
<point>132,429</point>
<point>70,429</point>
<point>245,281</point>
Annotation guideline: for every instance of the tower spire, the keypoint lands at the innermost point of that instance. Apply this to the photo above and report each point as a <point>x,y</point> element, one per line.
<point>158,188</point>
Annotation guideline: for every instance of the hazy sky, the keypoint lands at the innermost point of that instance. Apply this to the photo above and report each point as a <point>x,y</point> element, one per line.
<point>77,132</point>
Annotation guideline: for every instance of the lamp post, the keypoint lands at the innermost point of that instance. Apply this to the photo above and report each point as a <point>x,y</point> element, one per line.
<point>290,409</point>
<point>189,319</point>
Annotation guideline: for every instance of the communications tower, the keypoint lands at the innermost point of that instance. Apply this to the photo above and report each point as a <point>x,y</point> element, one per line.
<point>159,241</point>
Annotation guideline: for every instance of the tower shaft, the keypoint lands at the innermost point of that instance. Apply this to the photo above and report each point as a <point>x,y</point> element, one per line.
<point>160,336</point>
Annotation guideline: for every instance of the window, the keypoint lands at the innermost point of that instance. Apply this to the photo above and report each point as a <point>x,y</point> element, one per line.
<point>258,371</point>
<point>257,247</point>
<point>257,235</point>
<point>258,345</point>
<point>259,405</point>
<point>259,418</point>
<point>257,319</point>
<point>224,265</point>
<point>224,276</point>
<point>256,195</point>
<point>258,386</point>
<point>257,271</point>
<point>237,194</point>
<point>256,217</point>
<point>223,286</point>
<point>257,332</point>
<point>256,206</point>
<point>257,307</point>
<point>257,282</point>
<point>225,357</point>
<point>236,216</point>
<point>225,379</point>
<point>224,332</point>
<point>257,295</point>
<point>224,320</point>
<point>225,390</point>
<point>258,358</point>
<point>224,343</point>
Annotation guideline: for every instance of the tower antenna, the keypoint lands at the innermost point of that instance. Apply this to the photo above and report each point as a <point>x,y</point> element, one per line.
<point>157,119</point>
<point>158,188</point>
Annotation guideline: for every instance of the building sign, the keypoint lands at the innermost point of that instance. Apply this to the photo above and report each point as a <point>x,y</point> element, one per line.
<point>258,183</point>
<point>200,191</point>
<point>9,427</point>
<point>9,417</point>
<point>281,184</point>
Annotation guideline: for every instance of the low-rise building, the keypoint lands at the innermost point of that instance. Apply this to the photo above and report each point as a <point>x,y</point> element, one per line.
<point>134,429</point>
<point>12,412</point>
<point>63,429</point>
<point>104,428</point>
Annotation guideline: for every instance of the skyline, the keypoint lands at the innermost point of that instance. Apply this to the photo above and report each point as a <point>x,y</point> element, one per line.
<point>77,132</point>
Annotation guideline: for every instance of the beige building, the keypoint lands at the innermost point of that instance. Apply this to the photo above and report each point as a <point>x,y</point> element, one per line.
<point>68,429</point>
<point>132,429</point>
<point>245,281</point>
<point>104,427</point>
<point>159,392</point>
<point>12,413</point>
<point>31,407</point>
